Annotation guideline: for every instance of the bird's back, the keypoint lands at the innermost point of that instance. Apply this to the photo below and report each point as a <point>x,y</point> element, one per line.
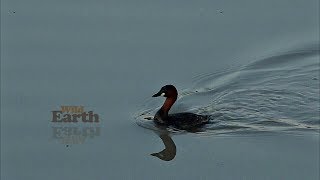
<point>187,120</point>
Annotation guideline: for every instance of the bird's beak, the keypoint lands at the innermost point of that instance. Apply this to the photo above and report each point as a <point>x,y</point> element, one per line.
<point>158,94</point>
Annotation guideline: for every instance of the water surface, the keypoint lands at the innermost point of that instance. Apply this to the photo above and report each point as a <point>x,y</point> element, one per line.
<point>254,66</point>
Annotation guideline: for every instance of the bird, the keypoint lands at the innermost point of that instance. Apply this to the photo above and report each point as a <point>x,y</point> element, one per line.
<point>184,120</point>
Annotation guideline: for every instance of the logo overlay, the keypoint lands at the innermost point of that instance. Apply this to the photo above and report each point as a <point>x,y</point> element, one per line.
<point>73,125</point>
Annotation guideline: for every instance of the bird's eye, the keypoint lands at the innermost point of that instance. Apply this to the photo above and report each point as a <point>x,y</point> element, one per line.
<point>162,94</point>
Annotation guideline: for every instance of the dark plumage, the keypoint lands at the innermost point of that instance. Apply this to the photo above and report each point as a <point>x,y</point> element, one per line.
<point>179,120</point>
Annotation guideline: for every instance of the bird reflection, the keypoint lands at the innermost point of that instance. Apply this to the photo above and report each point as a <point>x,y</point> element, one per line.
<point>169,152</point>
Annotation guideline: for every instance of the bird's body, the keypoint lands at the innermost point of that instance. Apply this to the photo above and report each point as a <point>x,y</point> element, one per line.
<point>184,120</point>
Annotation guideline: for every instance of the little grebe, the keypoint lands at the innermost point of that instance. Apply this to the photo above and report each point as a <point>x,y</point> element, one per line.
<point>179,120</point>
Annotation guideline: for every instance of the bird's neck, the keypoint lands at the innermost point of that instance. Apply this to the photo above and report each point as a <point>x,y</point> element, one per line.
<point>168,104</point>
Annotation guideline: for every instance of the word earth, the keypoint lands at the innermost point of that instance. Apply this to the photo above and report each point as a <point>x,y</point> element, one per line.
<point>76,115</point>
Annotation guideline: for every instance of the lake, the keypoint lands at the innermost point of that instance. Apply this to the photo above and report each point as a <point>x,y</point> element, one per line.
<point>252,66</point>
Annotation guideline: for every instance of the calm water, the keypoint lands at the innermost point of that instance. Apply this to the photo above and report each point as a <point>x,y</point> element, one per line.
<point>253,66</point>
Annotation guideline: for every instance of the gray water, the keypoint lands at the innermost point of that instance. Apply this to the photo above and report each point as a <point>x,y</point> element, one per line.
<point>280,92</point>
<point>253,66</point>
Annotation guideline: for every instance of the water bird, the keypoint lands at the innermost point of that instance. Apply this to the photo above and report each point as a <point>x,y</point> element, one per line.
<point>185,120</point>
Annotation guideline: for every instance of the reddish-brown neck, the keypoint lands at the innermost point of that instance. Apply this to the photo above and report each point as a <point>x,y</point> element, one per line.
<point>168,103</point>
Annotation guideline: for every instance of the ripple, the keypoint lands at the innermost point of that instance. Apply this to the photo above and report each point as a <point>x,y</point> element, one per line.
<point>278,93</point>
